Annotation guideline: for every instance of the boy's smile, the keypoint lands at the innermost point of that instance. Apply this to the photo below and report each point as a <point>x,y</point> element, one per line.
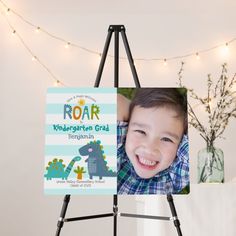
<point>152,139</point>
<point>146,163</point>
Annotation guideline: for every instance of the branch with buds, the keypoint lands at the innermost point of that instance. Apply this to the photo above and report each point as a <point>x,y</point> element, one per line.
<point>224,96</point>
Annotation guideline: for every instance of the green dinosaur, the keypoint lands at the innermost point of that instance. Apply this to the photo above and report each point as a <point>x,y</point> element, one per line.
<point>56,168</point>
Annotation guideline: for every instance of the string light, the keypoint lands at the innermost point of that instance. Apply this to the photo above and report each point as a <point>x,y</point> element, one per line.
<point>197,56</point>
<point>225,50</point>
<point>37,29</point>
<point>165,62</point>
<point>180,57</point>
<point>99,56</point>
<point>34,58</point>
<point>8,11</point>
<point>56,83</point>
<point>227,47</point>
<point>67,45</point>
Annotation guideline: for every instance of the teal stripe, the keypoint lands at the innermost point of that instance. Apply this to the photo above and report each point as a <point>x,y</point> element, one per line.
<point>82,90</point>
<point>80,129</point>
<point>80,191</point>
<point>59,109</point>
<point>73,150</point>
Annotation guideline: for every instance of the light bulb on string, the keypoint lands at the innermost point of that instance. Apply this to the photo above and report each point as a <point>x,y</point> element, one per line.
<point>225,50</point>
<point>8,10</point>
<point>99,57</point>
<point>37,30</point>
<point>56,83</point>
<point>34,58</point>
<point>165,62</point>
<point>227,47</point>
<point>197,56</point>
<point>67,45</point>
<point>14,32</point>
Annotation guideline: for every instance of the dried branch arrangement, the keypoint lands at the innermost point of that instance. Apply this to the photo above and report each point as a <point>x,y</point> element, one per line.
<point>219,104</point>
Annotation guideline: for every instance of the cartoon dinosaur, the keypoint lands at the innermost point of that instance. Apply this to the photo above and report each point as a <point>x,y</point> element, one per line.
<point>97,166</point>
<point>56,169</point>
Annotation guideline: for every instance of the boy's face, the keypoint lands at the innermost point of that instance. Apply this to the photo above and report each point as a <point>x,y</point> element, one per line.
<point>152,139</point>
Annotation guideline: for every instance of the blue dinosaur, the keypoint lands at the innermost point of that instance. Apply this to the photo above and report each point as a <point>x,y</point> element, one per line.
<point>97,166</point>
<point>56,169</point>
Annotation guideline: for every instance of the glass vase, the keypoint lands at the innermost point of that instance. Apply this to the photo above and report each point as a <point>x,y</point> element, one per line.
<point>210,165</point>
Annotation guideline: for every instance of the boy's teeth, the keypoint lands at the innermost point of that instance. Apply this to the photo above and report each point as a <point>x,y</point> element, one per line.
<point>146,162</point>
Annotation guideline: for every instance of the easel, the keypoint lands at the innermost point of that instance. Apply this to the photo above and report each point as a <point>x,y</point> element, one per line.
<point>117,29</point>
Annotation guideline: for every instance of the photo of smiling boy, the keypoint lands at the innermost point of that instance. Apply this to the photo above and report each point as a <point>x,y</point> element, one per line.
<point>152,141</point>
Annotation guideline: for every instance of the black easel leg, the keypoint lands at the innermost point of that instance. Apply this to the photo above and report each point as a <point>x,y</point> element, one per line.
<point>130,58</point>
<point>115,210</point>
<point>174,214</point>
<point>116,60</point>
<point>103,59</point>
<point>60,222</point>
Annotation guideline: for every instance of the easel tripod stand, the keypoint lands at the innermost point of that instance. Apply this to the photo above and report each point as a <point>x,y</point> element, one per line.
<point>116,29</point>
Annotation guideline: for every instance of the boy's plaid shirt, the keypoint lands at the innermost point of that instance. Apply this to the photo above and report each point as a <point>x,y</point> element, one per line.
<point>171,180</point>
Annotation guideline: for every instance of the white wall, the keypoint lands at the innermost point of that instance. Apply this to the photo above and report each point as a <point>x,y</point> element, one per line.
<point>155,29</point>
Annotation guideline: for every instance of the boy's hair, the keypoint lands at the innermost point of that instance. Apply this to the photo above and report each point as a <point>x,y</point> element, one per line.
<point>174,98</point>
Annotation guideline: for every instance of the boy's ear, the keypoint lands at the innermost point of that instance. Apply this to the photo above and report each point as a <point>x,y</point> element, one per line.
<point>122,108</point>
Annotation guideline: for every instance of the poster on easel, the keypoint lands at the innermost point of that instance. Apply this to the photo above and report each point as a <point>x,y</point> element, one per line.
<point>125,141</point>
<point>81,141</point>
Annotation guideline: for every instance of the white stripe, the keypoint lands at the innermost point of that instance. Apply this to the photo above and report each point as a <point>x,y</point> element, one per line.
<point>110,183</point>
<point>49,185</point>
<point>75,139</point>
<point>58,119</point>
<point>106,98</point>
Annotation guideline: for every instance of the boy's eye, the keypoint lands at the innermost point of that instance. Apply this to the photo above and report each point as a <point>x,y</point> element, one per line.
<point>165,139</point>
<point>140,131</point>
